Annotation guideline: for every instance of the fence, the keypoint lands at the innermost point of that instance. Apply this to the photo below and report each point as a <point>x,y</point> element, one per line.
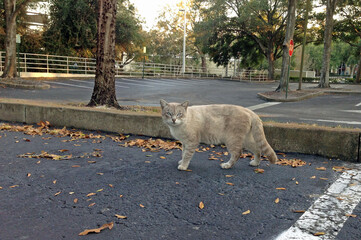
<point>42,65</point>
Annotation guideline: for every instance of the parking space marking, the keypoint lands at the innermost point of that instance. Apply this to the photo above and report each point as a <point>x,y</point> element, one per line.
<point>328,213</point>
<point>263,105</point>
<point>132,83</point>
<point>351,111</point>
<point>91,82</point>
<point>68,84</point>
<point>333,121</point>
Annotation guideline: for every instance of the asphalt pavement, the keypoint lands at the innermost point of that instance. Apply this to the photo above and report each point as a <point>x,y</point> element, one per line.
<point>56,183</point>
<point>330,109</point>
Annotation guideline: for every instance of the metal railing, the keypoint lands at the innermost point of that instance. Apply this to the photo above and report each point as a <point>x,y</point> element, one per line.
<point>44,65</point>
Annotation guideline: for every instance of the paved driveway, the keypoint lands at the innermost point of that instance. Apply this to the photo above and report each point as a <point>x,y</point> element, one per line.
<point>331,110</point>
<point>55,183</point>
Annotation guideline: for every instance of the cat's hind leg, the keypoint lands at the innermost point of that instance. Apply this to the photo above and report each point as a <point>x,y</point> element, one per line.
<point>235,150</point>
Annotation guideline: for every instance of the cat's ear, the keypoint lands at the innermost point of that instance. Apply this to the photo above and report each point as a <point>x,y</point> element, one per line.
<point>185,104</point>
<point>163,103</point>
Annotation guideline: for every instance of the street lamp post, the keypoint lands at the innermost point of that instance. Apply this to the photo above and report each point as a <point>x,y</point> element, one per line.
<point>184,42</point>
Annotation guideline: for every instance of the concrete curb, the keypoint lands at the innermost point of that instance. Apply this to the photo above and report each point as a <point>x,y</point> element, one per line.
<point>291,99</point>
<point>325,141</point>
<point>24,84</point>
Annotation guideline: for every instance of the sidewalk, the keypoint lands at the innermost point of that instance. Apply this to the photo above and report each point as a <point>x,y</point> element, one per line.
<point>309,90</point>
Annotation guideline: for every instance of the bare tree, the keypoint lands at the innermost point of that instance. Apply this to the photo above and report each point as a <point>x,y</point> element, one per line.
<point>290,30</point>
<point>12,9</point>
<point>104,88</point>
<point>327,40</point>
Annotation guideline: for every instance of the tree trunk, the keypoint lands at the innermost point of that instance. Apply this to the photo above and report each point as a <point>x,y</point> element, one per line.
<point>10,40</point>
<point>104,88</point>
<point>291,20</point>
<point>327,40</point>
<point>358,73</point>
<point>271,62</point>
<point>204,63</point>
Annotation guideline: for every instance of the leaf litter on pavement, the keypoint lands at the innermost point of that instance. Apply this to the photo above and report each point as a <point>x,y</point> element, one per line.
<point>152,145</point>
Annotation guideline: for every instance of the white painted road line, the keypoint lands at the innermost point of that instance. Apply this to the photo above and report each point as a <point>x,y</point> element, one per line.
<point>333,121</point>
<point>91,82</point>
<point>134,84</point>
<point>351,111</point>
<point>359,104</point>
<point>68,84</point>
<point>328,214</point>
<point>263,105</point>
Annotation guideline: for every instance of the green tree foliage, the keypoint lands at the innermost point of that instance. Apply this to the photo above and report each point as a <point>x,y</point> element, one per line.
<point>348,30</point>
<point>72,29</point>
<point>250,29</point>
<point>129,36</point>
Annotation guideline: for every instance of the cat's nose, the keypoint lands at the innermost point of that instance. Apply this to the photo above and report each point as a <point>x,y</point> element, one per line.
<point>173,119</point>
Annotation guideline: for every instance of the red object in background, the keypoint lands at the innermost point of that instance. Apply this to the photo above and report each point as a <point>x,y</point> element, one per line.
<point>290,50</point>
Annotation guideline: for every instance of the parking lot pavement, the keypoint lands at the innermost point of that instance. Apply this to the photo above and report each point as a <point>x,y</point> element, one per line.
<point>330,110</point>
<point>56,183</point>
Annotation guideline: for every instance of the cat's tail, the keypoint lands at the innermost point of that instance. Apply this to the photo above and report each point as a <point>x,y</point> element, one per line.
<point>261,141</point>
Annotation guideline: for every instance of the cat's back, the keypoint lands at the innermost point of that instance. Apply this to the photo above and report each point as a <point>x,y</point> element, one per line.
<point>220,110</point>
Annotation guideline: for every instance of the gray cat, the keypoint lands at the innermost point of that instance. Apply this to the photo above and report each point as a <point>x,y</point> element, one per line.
<point>234,126</point>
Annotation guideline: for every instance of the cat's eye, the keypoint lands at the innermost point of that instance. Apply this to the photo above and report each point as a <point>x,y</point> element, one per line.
<point>168,114</point>
<point>179,114</point>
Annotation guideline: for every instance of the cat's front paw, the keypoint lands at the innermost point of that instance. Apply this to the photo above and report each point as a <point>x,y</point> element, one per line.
<point>226,165</point>
<point>182,168</point>
<point>180,162</point>
<point>254,163</point>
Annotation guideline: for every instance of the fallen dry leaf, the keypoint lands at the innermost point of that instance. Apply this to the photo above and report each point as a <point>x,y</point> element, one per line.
<point>28,175</point>
<point>229,175</point>
<point>121,217</point>
<point>110,185</point>
<point>97,230</point>
<point>319,234</point>
<point>201,205</point>
<point>291,162</point>
<point>258,170</point>
<point>91,194</point>
<point>92,204</point>
<point>322,178</point>
<point>56,194</point>
<point>298,211</point>
<point>230,184</point>
<point>313,177</point>
<point>75,200</point>
<point>351,215</point>
<point>277,200</point>
<point>246,212</point>
<point>14,186</point>
<point>281,188</point>
<point>75,166</point>
<point>54,181</point>
<point>121,196</point>
<point>321,169</point>
<point>162,157</point>
<point>141,205</point>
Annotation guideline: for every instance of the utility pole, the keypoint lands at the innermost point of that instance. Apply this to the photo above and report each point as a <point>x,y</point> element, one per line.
<point>184,41</point>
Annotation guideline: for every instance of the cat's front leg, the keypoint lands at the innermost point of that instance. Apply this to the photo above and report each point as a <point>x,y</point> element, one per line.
<point>187,154</point>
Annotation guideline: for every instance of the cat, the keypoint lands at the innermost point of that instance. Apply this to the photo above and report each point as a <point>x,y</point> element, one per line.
<point>232,125</point>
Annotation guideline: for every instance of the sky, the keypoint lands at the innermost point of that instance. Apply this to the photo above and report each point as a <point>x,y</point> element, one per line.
<point>149,10</point>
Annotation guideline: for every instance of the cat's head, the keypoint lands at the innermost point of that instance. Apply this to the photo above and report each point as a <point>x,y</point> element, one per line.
<point>174,114</point>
